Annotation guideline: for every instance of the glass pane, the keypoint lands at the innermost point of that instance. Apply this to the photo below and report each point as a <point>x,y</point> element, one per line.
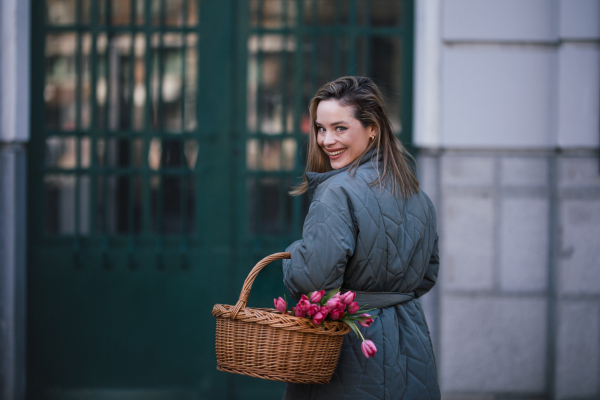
<point>119,153</point>
<point>61,12</point>
<point>270,214</point>
<point>327,14</point>
<point>172,192</point>
<point>86,82</point>
<point>268,55</point>
<point>139,83</point>
<point>119,204</point>
<point>85,149</point>
<point>386,12</point>
<point>175,11</point>
<point>61,152</point>
<point>192,12</point>
<point>388,75</point>
<point>101,81</point>
<point>139,12</point>
<point>272,14</point>
<point>166,203</point>
<point>191,153</point>
<point>191,82</point>
<point>59,90</point>
<point>85,11</point>
<point>121,12</point>
<point>60,204</point>
<point>119,87</point>
<point>172,82</point>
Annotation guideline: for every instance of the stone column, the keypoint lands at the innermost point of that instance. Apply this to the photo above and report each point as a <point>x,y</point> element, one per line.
<point>14,134</point>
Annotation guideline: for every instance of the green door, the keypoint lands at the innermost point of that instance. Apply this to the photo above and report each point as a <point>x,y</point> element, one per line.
<point>165,136</point>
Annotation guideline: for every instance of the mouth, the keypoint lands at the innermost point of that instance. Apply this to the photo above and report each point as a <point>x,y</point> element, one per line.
<point>335,154</point>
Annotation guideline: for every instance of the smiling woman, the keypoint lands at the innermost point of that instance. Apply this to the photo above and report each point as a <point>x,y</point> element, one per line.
<point>369,230</point>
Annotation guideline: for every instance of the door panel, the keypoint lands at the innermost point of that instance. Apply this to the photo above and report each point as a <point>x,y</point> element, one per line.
<point>165,137</point>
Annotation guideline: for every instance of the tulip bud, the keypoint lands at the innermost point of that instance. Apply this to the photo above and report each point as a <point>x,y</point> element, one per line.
<point>318,318</point>
<point>312,310</point>
<point>334,303</point>
<point>280,305</point>
<point>323,310</point>
<point>348,297</point>
<point>298,312</point>
<point>368,348</point>
<point>304,303</point>
<point>316,297</point>
<point>366,321</point>
<point>353,308</point>
<point>336,314</point>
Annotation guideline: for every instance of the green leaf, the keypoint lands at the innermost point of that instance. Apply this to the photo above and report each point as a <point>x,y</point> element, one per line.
<point>329,296</point>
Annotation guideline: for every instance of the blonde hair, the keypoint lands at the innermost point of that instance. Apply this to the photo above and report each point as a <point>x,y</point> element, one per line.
<point>364,97</point>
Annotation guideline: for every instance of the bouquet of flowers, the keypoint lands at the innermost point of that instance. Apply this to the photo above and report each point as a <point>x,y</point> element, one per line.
<point>334,306</point>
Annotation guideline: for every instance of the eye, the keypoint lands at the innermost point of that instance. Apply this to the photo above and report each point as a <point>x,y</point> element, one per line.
<point>320,129</point>
<point>341,128</point>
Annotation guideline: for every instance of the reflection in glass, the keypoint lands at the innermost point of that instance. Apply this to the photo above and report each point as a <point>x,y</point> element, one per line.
<point>386,12</point>
<point>388,75</point>
<point>61,12</point>
<point>119,205</point>
<point>271,155</point>
<point>61,152</point>
<point>60,201</point>
<point>270,63</point>
<point>269,206</point>
<point>272,14</point>
<point>59,90</point>
<point>121,12</point>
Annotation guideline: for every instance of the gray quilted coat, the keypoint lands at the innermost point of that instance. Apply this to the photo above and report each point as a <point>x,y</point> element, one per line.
<point>364,239</point>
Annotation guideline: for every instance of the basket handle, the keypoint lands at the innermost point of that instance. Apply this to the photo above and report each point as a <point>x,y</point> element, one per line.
<point>241,304</point>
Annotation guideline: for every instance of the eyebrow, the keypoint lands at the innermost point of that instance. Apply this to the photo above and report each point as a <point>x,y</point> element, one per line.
<point>334,123</point>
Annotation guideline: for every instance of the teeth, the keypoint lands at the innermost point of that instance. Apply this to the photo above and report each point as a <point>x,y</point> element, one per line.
<point>335,153</point>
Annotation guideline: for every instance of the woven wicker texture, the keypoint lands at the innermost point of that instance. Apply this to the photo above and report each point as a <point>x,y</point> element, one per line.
<point>264,343</point>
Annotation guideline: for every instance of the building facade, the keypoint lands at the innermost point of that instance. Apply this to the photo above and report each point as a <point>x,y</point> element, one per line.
<point>146,148</point>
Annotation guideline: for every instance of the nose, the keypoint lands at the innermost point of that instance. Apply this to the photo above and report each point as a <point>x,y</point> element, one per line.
<point>329,139</point>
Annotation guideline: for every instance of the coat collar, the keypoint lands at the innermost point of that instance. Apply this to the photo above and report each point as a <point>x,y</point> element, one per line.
<point>314,179</point>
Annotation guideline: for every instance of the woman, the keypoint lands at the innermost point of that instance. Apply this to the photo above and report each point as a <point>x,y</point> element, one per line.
<point>369,229</point>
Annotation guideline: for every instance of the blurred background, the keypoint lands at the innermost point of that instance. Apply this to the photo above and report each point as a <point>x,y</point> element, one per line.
<point>147,147</point>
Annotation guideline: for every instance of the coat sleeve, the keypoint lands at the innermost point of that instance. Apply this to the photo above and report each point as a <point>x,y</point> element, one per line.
<point>318,261</point>
<point>431,273</point>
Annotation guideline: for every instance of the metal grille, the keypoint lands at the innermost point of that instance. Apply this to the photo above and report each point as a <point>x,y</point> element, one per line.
<point>292,47</point>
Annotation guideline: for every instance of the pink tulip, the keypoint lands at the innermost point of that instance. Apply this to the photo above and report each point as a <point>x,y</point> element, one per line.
<point>348,297</point>
<point>353,308</point>
<point>280,305</point>
<point>304,303</point>
<point>324,310</point>
<point>316,297</point>
<point>368,348</point>
<point>367,321</point>
<point>318,318</point>
<point>312,310</point>
<point>334,303</point>
<point>336,314</point>
<point>298,312</point>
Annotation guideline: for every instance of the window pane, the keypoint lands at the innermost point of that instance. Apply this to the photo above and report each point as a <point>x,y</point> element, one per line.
<point>388,75</point>
<point>386,12</point>
<point>61,12</point>
<point>59,91</point>
<point>61,152</point>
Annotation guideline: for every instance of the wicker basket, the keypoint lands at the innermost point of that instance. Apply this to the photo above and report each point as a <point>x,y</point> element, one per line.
<point>264,343</point>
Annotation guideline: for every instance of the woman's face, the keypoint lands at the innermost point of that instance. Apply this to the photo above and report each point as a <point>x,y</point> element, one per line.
<point>339,134</point>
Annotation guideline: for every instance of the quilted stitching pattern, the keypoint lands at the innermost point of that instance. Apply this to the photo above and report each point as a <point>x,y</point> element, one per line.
<point>368,239</point>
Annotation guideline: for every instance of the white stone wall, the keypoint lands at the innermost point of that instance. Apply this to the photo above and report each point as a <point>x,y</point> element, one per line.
<point>507,105</point>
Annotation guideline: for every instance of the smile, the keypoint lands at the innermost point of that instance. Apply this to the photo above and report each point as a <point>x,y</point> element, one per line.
<point>335,153</point>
